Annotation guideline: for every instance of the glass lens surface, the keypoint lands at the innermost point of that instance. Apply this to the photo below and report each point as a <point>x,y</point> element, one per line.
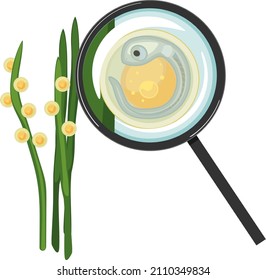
<point>149,76</point>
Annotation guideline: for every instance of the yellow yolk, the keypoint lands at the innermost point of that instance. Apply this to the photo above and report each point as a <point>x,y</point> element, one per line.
<point>7,100</point>
<point>150,85</point>
<point>148,89</point>
<point>69,129</point>
<point>21,84</point>
<point>39,140</point>
<point>62,84</point>
<point>22,135</point>
<point>51,108</point>
<point>28,111</point>
<point>8,64</point>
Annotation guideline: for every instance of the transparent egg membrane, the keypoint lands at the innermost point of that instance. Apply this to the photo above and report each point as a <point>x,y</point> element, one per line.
<point>149,79</point>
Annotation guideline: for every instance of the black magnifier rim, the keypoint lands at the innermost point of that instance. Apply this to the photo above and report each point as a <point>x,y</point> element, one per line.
<point>218,90</point>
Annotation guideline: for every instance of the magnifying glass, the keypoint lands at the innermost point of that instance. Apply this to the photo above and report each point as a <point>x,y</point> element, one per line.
<point>150,76</point>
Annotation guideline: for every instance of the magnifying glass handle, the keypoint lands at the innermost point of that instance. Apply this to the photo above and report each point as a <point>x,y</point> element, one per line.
<point>226,190</point>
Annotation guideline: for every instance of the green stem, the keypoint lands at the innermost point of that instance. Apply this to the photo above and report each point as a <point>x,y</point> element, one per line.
<point>63,61</point>
<point>55,222</point>
<point>61,137</point>
<point>42,193</point>
<point>56,179</point>
<point>68,227</point>
<point>73,97</point>
<point>16,101</point>
<point>67,148</point>
<point>63,168</point>
<point>72,113</point>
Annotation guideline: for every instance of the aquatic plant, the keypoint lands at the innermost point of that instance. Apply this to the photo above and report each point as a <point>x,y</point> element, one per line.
<point>17,85</point>
<point>65,112</point>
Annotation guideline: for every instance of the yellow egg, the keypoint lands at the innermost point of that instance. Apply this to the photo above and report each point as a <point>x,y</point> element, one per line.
<point>69,128</point>
<point>150,85</point>
<point>62,84</point>
<point>5,100</point>
<point>28,110</point>
<point>22,135</point>
<point>21,84</point>
<point>8,64</point>
<point>39,139</point>
<point>51,108</point>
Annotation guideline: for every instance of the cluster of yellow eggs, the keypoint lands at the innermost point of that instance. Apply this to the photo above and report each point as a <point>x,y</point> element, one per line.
<point>28,110</point>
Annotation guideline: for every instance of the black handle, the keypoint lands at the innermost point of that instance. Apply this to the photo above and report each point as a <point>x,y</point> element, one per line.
<point>226,190</point>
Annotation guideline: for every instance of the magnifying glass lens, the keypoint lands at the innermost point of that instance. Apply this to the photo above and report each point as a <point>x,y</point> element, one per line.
<point>148,75</point>
<point>149,79</point>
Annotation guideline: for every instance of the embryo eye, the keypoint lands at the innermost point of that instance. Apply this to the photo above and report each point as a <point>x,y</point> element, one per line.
<point>139,52</point>
<point>136,53</point>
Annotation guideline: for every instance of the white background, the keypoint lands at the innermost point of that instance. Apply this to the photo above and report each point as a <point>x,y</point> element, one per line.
<point>135,209</point>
